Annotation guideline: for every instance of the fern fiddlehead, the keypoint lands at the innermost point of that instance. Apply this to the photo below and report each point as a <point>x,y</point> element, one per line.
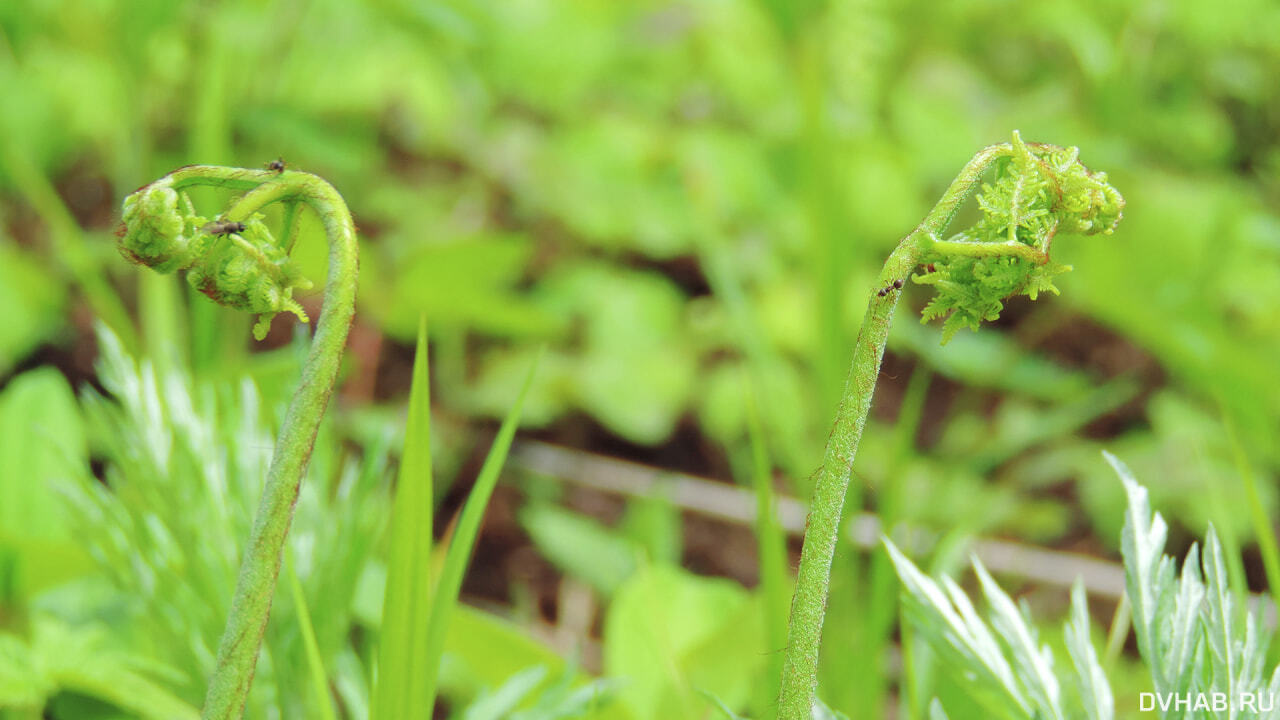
<point>1036,192</point>
<point>235,261</point>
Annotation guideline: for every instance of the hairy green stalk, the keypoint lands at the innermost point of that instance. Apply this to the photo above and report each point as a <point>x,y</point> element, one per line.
<point>1038,190</point>
<point>236,262</point>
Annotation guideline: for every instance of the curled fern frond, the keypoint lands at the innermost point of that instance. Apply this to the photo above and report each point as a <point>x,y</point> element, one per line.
<point>236,264</point>
<point>157,232</point>
<point>1036,192</point>
<point>248,271</point>
<point>236,261</point>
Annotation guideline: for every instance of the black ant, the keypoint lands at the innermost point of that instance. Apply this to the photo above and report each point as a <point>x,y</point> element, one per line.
<point>222,227</point>
<point>276,166</point>
<point>897,285</point>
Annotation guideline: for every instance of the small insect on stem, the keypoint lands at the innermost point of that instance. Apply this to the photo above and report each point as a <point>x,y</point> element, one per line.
<point>897,285</point>
<point>276,166</point>
<point>223,228</point>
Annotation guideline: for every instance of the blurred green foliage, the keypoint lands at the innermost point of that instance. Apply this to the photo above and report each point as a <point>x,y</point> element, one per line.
<point>668,194</point>
<point>532,171</point>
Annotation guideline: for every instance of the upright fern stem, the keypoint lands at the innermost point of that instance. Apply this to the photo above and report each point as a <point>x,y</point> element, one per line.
<point>1036,192</point>
<point>236,262</point>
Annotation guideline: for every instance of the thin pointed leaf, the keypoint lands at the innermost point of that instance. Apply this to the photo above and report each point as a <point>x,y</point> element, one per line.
<point>503,701</point>
<point>1142,545</point>
<point>1095,691</point>
<point>1183,635</point>
<point>464,538</point>
<point>821,711</point>
<point>1030,662</point>
<point>315,664</point>
<point>949,623</point>
<point>400,691</point>
<point>1219,615</point>
<point>775,585</point>
<point>720,706</point>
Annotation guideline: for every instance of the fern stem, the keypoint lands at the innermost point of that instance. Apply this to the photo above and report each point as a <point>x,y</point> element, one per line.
<point>260,567</point>
<point>808,605</point>
<point>149,238</point>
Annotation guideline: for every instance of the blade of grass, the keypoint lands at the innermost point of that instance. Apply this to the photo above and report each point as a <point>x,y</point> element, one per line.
<point>399,690</point>
<point>915,669</point>
<point>717,256</point>
<point>69,243</point>
<point>881,600</point>
<point>464,538</point>
<point>1262,526</point>
<point>163,331</point>
<point>315,664</point>
<point>1117,634</point>
<point>1219,513</point>
<point>772,544</point>
<point>217,334</point>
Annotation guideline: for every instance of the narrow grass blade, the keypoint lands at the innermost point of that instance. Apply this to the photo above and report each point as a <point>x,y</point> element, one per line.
<point>1117,633</point>
<point>501,703</point>
<point>315,664</point>
<point>1220,511</point>
<point>401,690</point>
<point>772,547</point>
<point>464,539</point>
<point>1262,526</point>
<point>881,596</point>
<point>725,712</point>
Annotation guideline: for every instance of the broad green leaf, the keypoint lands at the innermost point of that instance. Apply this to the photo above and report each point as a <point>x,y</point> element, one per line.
<point>471,284</point>
<point>42,443</point>
<point>670,634</point>
<point>654,524</point>
<point>81,660</point>
<point>636,370</point>
<point>489,651</point>
<point>731,660</point>
<point>580,545</point>
<point>822,712</point>
<point>33,302</point>
<point>22,684</point>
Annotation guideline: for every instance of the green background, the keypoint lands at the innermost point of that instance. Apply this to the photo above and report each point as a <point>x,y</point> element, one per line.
<point>688,204</point>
